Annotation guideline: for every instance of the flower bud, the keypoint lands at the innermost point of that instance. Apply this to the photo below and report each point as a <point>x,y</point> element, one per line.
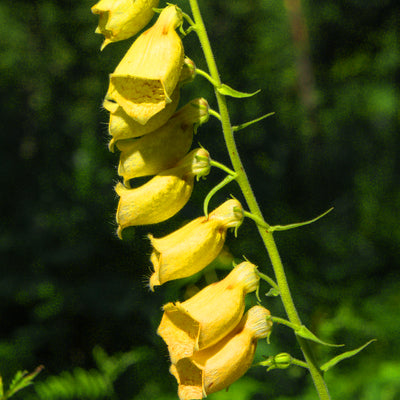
<point>163,148</point>
<point>192,247</point>
<point>162,197</point>
<point>218,366</point>
<point>281,361</point>
<point>188,72</point>
<point>144,80</point>
<point>209,315</point>
<point>121,19</point>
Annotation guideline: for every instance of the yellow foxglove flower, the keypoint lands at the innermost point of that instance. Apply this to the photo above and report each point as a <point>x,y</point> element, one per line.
<point>163,148</point>
<point>121,19</point>
<point>144,80</point>
<point>164,195</point>
<point>218,366</point>
<point>209,315</point>
<point>192,247</point>
<point>122,126</point>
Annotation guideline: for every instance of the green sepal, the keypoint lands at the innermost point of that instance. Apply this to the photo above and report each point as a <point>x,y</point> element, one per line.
<point>236,228</point>
<point>305,333</point>
<point>246,124</point>
<point>1,388</point>
<point>258,294</point>
<point>228,91</point>
<point>331,363</point>
<point>298,224</point>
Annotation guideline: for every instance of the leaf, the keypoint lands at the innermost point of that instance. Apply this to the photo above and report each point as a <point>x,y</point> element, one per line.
<point>246,124</point>
<point>298,224</point>
<point>228,91</point>
<point>305,333</point>
<point>21,380</point>
<point>331,363</point>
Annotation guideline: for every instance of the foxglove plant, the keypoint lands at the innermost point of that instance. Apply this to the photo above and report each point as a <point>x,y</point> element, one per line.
<point>211,338</point>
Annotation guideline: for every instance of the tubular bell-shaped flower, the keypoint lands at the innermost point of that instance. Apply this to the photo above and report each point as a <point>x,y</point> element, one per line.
<point>209,315</point>
<point>121,19</point>
<point>218,366</point>
<point>144,80</point>
<point>122,126</point>
<point>163,148</point>
<point>192,247</point>
<point>164,195</point>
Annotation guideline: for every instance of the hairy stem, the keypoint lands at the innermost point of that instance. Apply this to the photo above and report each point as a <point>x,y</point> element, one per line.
<point>248,194</point>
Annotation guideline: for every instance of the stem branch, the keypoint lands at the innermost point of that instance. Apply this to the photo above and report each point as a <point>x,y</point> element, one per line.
<point>253,205</point>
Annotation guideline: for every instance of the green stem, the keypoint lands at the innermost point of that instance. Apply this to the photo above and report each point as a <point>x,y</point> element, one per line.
<point>253,205</point>
<point>214,114</point>
<point>217,164</point>
<point>259,221</point>
<point>267,279</point>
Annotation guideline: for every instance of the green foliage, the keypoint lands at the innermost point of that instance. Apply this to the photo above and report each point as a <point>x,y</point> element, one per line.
<point>331,363</point>
<point>228,91</point>
<point>21,380</point>
<point>90,384</point>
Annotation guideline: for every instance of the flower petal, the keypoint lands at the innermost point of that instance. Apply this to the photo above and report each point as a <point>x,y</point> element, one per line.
<point>144,80</point>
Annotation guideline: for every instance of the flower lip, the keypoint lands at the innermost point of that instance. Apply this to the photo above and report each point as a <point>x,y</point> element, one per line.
<point>218,366</point>
<point>144,80</point>
<point>209,315</point>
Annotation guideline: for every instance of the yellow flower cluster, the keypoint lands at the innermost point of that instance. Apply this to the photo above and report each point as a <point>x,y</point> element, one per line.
<point>210,338</point>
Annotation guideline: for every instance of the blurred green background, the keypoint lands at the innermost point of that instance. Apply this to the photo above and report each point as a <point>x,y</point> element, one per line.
<point>74,298</point>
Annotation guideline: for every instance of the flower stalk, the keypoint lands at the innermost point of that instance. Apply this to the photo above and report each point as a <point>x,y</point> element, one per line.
<point>243,181</point>
<point>211,338</point>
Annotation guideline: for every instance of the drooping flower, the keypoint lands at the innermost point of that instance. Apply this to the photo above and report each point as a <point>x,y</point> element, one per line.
<point>164,195</point>
<point>192,247</point>
<point>122,126</point>
<point>144,80</point>
<point>209,315</point>
<point>163,148</point>
<point>218,366</point>
<point>121,19</point>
